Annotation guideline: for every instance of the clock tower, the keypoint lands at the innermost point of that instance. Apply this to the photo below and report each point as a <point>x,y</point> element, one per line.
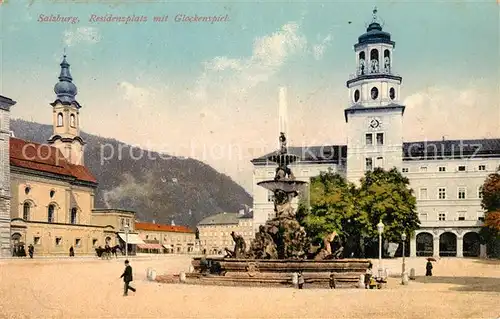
<point>374,117</point>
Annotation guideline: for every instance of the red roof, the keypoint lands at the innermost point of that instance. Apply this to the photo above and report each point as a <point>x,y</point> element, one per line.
<point>46,158</point>
<point>160,227</point>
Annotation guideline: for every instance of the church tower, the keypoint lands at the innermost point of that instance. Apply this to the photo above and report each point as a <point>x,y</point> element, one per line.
<point>66,118</point>
<point>374,117</point>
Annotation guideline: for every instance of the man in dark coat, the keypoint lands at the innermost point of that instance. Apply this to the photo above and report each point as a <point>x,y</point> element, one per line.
<point>127,278</point>
<point>428,268</point>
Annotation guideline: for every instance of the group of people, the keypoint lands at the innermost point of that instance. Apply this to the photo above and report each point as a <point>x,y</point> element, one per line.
<point>20,251</point>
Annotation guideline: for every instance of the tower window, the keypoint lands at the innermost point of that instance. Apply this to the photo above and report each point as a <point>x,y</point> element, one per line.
<point>72,120</point>
<point>60,119</point>
<point>356,96</point>
<point>50,213</point>
<point>369,139</point>
<point>26,211</point>
<point>380,138</point>
<point>387,61</point>
<point>73,215</point>
<point>392,93</point>
<point>52,193</point>
<point>362,63</point>
<point>374,66</point>
<point>27,190</point>
<point>374,93</point>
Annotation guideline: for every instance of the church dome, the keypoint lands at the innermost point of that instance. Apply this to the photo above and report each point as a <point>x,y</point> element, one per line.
<point>374,34</point>
<point>65,89</point>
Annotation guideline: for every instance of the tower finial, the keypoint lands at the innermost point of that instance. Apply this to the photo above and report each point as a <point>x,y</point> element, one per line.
<point>374,14</point>
<point>64,52</point>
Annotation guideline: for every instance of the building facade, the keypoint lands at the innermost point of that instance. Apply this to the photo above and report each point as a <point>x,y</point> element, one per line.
<point>215,231</point>
<point>5,105</point>
<point>47,194</point>
<point>446,175</point>
<point>170,239</point>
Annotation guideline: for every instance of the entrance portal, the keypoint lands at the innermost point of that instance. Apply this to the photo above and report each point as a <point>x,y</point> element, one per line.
<point>471,244</point>
<point>425,244</point>
<point>448,245</point>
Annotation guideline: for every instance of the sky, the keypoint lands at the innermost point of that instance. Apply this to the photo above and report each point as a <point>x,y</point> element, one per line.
<point>210,90</point>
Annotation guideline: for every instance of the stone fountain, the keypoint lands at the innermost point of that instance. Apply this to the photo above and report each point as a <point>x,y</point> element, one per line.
<point>280,248</point>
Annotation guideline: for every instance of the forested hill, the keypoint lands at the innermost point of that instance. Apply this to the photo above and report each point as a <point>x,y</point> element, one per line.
<point>180,189</point>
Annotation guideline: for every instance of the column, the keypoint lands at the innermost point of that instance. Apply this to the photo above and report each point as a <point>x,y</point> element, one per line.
<point>413,245</point>
<point>436,246</point>
<point>460,246</point>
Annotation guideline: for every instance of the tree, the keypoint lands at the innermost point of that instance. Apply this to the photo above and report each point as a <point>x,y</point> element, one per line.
<point>386,196</point>
<point>490,232</point>
<point>331,206</point>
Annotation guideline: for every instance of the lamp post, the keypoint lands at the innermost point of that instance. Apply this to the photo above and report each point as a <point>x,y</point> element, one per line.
<point>403,279</point>
<point>380,228</point>
<point>126,240</point>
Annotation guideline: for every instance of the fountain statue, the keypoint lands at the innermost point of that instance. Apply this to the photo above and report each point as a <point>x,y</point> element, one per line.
<point>281,247</point>
<point>289,239</point>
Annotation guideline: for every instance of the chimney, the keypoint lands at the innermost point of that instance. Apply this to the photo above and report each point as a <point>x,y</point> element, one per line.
<point>154,221</point>
<point>242,212</point>
<point>172,223</point>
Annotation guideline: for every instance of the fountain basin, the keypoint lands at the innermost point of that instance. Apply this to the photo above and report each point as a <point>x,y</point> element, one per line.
<point>275,272</point>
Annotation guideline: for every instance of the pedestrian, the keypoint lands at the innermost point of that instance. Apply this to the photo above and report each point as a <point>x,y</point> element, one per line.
<point>71,252</point>
<point>301,280</point>
<point>31,250</point>
<point>368,275</point>
<point>127,278</point>
<point>332,281</point>
<point>428,268</point>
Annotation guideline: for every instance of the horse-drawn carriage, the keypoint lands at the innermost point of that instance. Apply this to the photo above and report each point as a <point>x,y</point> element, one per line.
<point>108,251</point>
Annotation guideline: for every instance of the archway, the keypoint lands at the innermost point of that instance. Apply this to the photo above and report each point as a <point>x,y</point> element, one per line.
<point>17,244</point>
<point>448,245</point>
<point>471,244</point>
<point>425,244</point>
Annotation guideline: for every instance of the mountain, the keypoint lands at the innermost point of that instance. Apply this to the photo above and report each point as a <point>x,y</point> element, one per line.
<point>156,186</point>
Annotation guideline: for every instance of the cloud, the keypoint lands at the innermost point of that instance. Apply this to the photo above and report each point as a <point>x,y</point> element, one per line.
<point>319,49</point>
<point>89,35</point>
<point>137,96</point>
<point>455,113</point>
<point>269,53</point>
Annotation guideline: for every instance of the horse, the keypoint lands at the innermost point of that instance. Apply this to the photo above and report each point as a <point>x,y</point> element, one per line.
<point>107,251</point>
<point>114,249</point>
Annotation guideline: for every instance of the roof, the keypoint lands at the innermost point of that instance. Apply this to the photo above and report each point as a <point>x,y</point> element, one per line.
<point>220,219</point>
<point>6,103</point>
<point>327,153</point>
<point>161,227</point>
<point>429,150</point>
<point>361,108</point>
<point>46,158</point>
<point>246,215</point>
<point>418,150</point>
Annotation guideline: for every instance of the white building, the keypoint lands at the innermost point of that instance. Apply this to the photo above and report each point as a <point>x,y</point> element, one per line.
<point>446,175</point>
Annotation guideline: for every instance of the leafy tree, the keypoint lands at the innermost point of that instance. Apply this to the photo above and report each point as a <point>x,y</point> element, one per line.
<point>490,232</point>
<point>331,206</point>
<point>386,196</point>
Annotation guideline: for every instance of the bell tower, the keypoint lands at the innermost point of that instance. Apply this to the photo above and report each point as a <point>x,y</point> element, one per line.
<point>66,117</point>
<point>374,116</point>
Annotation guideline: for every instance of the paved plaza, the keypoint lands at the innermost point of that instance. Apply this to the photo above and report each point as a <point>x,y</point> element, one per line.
<point>91,288</point>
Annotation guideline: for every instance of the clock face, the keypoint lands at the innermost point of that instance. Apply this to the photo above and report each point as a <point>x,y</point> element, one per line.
<point>374,123</point>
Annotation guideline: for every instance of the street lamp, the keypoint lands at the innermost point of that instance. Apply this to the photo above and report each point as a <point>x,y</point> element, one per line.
<point>126,240</point>
<point>403,279</point>
<point>380,228</point>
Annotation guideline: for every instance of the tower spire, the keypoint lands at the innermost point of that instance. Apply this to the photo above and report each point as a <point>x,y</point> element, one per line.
<point>65,89</point>
<point>374,14</point>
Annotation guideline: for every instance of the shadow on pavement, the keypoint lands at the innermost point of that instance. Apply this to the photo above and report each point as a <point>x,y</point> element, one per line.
<point>484,284</point>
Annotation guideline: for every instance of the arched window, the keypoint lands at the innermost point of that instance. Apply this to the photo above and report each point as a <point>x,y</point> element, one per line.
<point>73,215</point>
<point>362,63</point>
<point>26,211</point>
<point>50,213</point>
<point>60,119</point>
<point>72,120</point>
<point>387,61</point>
<point>374,63</point>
